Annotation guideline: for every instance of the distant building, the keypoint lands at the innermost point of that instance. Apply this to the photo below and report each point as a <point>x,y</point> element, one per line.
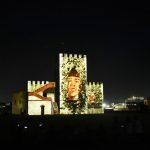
<point>135,103</point>
<point>19,102</point>
<point>120,107</point>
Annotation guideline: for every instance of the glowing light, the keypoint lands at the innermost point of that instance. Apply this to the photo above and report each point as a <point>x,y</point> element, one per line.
<point>104,105</point>
<point>41,124</point>
<point>25,127</point>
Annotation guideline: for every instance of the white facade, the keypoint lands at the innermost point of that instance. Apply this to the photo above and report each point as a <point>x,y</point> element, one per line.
<point>38,103</point>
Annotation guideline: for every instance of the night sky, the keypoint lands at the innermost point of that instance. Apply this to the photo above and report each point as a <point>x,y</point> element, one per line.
<point>114,36</point>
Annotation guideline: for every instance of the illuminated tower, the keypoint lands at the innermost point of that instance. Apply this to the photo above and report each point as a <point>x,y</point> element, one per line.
<point>72,80</point>
<point>95,98</point>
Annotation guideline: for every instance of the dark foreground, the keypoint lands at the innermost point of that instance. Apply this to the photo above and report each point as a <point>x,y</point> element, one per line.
<point>118,130</point>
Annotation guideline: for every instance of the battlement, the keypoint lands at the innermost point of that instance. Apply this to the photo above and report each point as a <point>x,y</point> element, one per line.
<point>38,82</point>
<point>95,84</point>
<point>65,55</point>
<point>34,85</point>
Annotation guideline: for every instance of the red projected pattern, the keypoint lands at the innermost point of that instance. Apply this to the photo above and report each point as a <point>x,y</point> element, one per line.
<point>42,89</point>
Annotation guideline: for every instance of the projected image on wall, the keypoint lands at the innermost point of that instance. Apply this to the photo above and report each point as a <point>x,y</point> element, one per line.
<point>95,97</point>
<point>73,78</point>
<point>91,98</point>
<point>73,87</point>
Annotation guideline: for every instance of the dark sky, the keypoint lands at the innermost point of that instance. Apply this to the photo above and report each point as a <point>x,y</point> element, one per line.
<point>114,36</point>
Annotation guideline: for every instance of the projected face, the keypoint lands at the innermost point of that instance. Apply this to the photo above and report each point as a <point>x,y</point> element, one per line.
<point>91,98</point>
<point>73,87</point>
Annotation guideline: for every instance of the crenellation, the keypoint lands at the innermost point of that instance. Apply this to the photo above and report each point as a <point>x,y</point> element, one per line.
<point>75,55</point>
<point>42,83</point>
<point>90,84</point>
<point>38,85</point>
<point>80,56</point>
<point>38,82</point>
<point>29,82</point>
<point>70,56</point>
<point>47,82</point>
<point>65,55</point>
<point>95,84</point>
<point>33,85</point>
<point>33,82</point>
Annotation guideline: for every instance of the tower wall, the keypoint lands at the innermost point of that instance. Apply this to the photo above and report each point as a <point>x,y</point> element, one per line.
<point>19,102</point>
<point>95,97</point>
<point>40,93</point>
<point>66,63</point>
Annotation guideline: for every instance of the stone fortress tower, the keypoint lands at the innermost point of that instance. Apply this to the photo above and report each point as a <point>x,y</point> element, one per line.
<point>68,64</point>
<point>90,95</point>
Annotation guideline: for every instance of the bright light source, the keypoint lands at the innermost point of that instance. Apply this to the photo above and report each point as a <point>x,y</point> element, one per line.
<point>41,124</point>
<point>104,105</point>
<point>25,127</point>
<point>107,106</point>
